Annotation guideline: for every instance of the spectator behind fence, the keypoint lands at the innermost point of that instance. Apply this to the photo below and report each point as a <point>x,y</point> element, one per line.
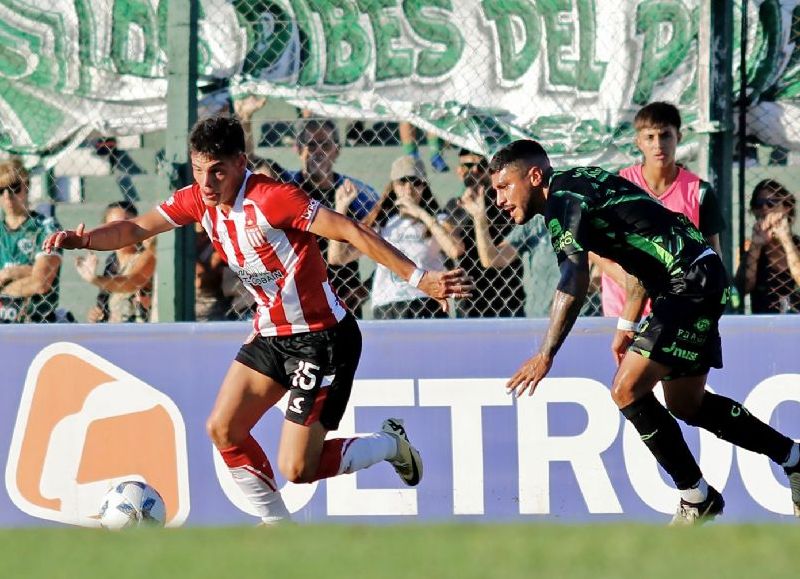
<point>126,284</point>
<point>318,147</point>
<point>409,218</point>
<point>244,107</point>
<point>531,240</point>
<point>29,278</point>
<point>210,302</point>
<point>498,292</point>
<point>658,133</point>
<point>268,167</point>
<point>770,268</point>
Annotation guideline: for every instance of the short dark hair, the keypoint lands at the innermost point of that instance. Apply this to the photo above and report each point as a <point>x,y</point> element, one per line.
<point>464,152</point>
<point>268,166</point>
<point>127,206</point>
<point>658,114</point>
<point>307,128</point>
<point>524,151</point>
<point>218,137</point>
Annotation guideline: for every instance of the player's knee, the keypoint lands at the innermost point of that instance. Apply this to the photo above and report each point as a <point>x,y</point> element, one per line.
<point>223,434</point>
<point>622,393</point>
<point>295,470</point>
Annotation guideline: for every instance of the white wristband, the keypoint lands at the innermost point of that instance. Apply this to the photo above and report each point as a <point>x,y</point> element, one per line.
<point>627,325</point>
<point>416,277</point>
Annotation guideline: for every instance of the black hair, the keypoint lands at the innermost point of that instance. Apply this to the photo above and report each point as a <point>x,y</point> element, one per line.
<point>267,166</point>
<point>464,152</point>
<point>524,151</point>
<point>308,127</point>
<point>777,191</point>
<point>658,114</point>
<point>127,206</point>
<point>219,137</point>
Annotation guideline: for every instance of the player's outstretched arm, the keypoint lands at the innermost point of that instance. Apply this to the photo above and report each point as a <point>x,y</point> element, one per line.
<point>437,284</point>
<point>110,235</point>
<point>567,303</point>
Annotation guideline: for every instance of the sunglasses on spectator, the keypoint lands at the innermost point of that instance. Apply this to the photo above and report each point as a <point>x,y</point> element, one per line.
<point>758,203</point>
<point>413,180</point>
<point>469,166</point>
<point>12,189</point>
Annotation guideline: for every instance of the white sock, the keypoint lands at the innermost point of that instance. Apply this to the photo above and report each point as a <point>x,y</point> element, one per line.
<point>367,450</point>
<point>696,494</point>
<point>793,458</point>
<point>262,492</point>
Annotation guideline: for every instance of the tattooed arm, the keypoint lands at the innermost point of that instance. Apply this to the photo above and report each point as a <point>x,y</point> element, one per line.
<point>636,296</point>
<point>569,298</point>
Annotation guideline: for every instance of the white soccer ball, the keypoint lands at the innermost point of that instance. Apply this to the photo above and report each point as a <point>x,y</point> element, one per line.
<point>132,504</point>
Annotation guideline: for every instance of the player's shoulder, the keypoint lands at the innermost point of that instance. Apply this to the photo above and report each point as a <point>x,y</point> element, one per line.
<point>630,172</point>
<point>263,186</point>
<point>265,181</point>
<point>693,183</point>
<point>581,174</point>
<point>186,192</point>
<point>578,181</point>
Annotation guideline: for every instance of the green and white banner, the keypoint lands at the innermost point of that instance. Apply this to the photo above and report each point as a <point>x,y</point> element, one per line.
<point>570,73</point>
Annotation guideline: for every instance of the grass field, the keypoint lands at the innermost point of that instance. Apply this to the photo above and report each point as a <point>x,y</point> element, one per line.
<point>445,551</point>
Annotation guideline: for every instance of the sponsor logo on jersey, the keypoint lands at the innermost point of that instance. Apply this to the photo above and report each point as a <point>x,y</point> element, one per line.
<point>690,337</point>
<point>702,324</point>
<point>313,205</point>
<point>257,277</point>
<point>83,425</point>
<point>681,353</point>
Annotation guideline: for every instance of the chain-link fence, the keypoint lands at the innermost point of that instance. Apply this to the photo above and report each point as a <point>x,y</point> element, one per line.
<point>768,65</point>
<point>386,111</point>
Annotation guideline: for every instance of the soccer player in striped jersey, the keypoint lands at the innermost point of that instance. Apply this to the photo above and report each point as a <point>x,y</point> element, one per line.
<point>304,341</point>
<point>664,255</point>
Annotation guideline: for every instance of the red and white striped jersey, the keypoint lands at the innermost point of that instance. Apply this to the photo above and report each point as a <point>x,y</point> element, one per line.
<point>265,241</point>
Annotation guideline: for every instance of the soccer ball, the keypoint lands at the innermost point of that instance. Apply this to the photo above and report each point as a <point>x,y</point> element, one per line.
<point>132,504</point>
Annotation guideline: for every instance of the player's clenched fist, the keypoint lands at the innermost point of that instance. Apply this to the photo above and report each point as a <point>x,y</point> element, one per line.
<point>70,239</point>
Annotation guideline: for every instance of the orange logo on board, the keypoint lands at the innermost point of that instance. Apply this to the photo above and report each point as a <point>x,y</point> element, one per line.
<point>84,424</point>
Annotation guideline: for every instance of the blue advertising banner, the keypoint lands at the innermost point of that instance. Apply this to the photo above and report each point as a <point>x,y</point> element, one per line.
<point>86,405</point>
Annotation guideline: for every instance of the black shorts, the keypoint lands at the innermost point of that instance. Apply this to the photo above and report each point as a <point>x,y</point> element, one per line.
<point>682,330</point>
<point>316,367</point>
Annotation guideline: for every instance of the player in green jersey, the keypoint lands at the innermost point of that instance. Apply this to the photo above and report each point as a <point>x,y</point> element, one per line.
<point>666,258</point>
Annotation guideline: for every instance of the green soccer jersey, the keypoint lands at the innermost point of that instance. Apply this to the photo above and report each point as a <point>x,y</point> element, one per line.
<point>21,246</point>
<point>590,209</point>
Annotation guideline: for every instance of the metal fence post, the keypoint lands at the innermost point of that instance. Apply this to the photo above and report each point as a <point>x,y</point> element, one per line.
<point>716,109</point>
<point>176,250</point>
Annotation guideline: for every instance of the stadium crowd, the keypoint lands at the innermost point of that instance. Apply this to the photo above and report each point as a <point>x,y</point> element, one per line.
<point>467,231</point>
